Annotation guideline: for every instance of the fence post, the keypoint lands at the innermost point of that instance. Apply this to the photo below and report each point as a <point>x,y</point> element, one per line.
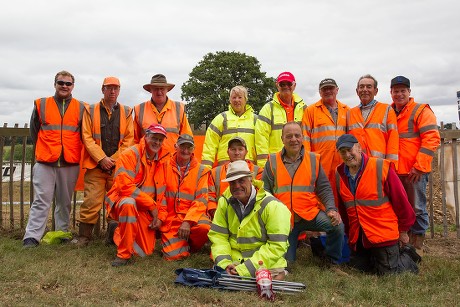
<point>10,185</point>
<point>23,164</point>
<point>2,143</point>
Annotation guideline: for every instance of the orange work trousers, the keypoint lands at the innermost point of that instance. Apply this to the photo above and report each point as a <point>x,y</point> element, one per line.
<point>175,248</point>
<point>133,235</point>
<point>97,182</point>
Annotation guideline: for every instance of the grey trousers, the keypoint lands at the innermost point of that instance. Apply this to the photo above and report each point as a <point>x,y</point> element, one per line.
<point>48,180</point>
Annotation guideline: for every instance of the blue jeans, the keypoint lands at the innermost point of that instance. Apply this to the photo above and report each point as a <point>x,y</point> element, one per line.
<point>321,222</point>
<point>416,193</point>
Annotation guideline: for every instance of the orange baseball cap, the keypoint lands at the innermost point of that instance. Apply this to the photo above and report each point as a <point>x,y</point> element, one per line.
<point>111,81</point>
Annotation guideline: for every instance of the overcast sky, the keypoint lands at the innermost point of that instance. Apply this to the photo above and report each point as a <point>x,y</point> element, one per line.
<point>133,40</point>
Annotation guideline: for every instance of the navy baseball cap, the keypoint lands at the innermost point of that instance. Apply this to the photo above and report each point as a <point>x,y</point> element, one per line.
<point>346,141</point>
<point>400,80</point>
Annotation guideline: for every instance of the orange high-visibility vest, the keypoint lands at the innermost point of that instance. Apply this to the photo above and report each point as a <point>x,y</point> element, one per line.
<point>370,207</point>
<point>186,198</point>
<point>418,137</point>
<point>58,134</point>
<point>172,117</point>
<point>95,115</point>
<point>378,135</point>
<point>297,193</point>
<point>138,178</point>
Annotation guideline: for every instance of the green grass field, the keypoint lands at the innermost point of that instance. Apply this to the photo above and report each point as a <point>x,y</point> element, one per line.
<point>61,275</point>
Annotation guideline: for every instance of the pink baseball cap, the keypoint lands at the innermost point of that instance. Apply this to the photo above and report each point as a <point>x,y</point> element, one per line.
<point>156,128</point>
<point>285,76</point>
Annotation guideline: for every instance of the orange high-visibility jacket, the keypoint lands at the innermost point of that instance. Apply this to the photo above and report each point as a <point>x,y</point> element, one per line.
<point>131,172</point>
<point>172,117</point>
<point>297,193</point>
<point>217,187</point>
<point>58,134</point>
<point>378,135</point>
<point>187,197</point>
<point>370,207</point>
<point>321,133</point>
<point>418,137</point>
<point>91,128</point>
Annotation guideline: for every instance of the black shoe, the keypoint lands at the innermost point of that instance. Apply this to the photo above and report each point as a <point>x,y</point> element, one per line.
<point>412,252</point>
<point>111,226</point>
<point>119,262</point>
<point>29,243</point>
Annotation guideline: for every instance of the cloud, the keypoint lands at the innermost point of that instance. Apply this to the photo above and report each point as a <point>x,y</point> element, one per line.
<point>134,40</point>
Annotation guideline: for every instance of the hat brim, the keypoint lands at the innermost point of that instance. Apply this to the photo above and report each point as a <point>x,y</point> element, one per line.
<point>346,145</point>
<point>238,176</point>
<point>148,86</point>
<point>327,84</point>
<point>186,142</point>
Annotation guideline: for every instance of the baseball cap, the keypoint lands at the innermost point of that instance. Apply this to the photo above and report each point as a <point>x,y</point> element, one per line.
<point>236,170</point>
<point>285,76</point>
<point>156,128</point>
<point>111,81</point>
<point>327,82</point>
<point>237,139</point>
<point>346,141</point>
<point>400,80</point>
<point>185,138</point>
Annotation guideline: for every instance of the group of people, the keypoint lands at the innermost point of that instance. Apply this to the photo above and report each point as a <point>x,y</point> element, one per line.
<point>359,175</point>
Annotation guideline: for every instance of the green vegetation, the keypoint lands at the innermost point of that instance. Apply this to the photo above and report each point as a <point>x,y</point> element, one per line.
<point>208,88</point>
<point>18,153</point>
<point>63,275</point>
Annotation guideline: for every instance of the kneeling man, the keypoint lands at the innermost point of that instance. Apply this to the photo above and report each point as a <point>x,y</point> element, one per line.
<point>375,211</point>
<point>249,225</point>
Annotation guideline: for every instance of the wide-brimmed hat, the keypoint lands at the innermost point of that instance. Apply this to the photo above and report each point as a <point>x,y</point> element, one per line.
<point>158,80</point>
<point>236,170</point>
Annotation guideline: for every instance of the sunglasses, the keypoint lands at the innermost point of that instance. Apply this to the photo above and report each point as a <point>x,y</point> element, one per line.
<point>283,84</point>
<point>62,83</point>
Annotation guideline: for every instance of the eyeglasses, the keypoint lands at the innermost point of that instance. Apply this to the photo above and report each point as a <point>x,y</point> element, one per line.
<point>62,83</point>
<point>283,84</point>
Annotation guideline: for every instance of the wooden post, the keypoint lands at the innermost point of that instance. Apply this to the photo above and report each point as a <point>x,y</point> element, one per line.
<point>2,143</point>
<point>10,185</point>
<point>455,165</point>
<point>443,185</point>
<point>21,195</point>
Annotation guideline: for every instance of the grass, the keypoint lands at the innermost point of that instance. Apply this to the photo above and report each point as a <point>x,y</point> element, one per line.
<point>61,275</point>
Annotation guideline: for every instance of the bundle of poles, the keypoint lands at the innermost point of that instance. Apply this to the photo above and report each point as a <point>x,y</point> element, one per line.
<point>241,283</point>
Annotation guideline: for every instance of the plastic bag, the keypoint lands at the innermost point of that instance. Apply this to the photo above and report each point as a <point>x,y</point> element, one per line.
<point>56,237</point>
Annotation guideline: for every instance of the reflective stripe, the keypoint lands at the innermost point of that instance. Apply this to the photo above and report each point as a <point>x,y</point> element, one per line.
<point>218,179</point>
<point>127,219</point>
<point>293,188</point>
<point>124,170</point>
<point>239,130</point>
<point>377,154</point>
<point>219,229</point>
<point>138,249</point>
<point>214,128</point>
<point>324,139</point>
<point>427,151</point>
<point>392,157</point>
<point>409,135</point>
<point>248,253</point>
<point>428,128</point>
<point>250,267</point>
<point>248,240</point>
<point>264,119</point>
<point>141,116</point>
<point>171,241</point>
<point>222,257</point>
<point>127,201</point>
<point>277,237</point>
<point>108,201</point>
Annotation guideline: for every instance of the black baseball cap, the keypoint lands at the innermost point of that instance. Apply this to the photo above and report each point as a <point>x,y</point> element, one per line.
<point>400,80</point>
<point>346,141</point>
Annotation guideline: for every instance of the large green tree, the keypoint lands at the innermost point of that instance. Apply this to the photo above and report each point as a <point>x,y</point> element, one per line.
<point>208,87</point>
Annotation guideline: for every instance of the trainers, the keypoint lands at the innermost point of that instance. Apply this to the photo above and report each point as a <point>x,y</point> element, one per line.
<point>29,243</point>
<point>111,226</point>
<point>119,262</point>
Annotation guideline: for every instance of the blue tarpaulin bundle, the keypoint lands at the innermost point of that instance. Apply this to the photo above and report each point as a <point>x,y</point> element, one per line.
<point>218,278</point>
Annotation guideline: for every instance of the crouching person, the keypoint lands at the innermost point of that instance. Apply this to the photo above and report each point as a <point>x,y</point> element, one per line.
<point>184,224</point>
<point>138,190</point>
<point>375,211</point>
<point>249,225</point>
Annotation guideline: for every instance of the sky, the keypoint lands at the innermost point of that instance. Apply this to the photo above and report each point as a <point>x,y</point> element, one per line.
<point>134,40</point>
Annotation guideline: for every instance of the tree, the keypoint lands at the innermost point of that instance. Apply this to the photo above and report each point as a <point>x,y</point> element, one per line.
<point>208,88</point>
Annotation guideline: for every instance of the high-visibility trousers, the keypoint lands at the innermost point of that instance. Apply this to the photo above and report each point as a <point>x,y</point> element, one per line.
<point>97,182</point>
<point>175,248</point>
<point>133,235</point>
